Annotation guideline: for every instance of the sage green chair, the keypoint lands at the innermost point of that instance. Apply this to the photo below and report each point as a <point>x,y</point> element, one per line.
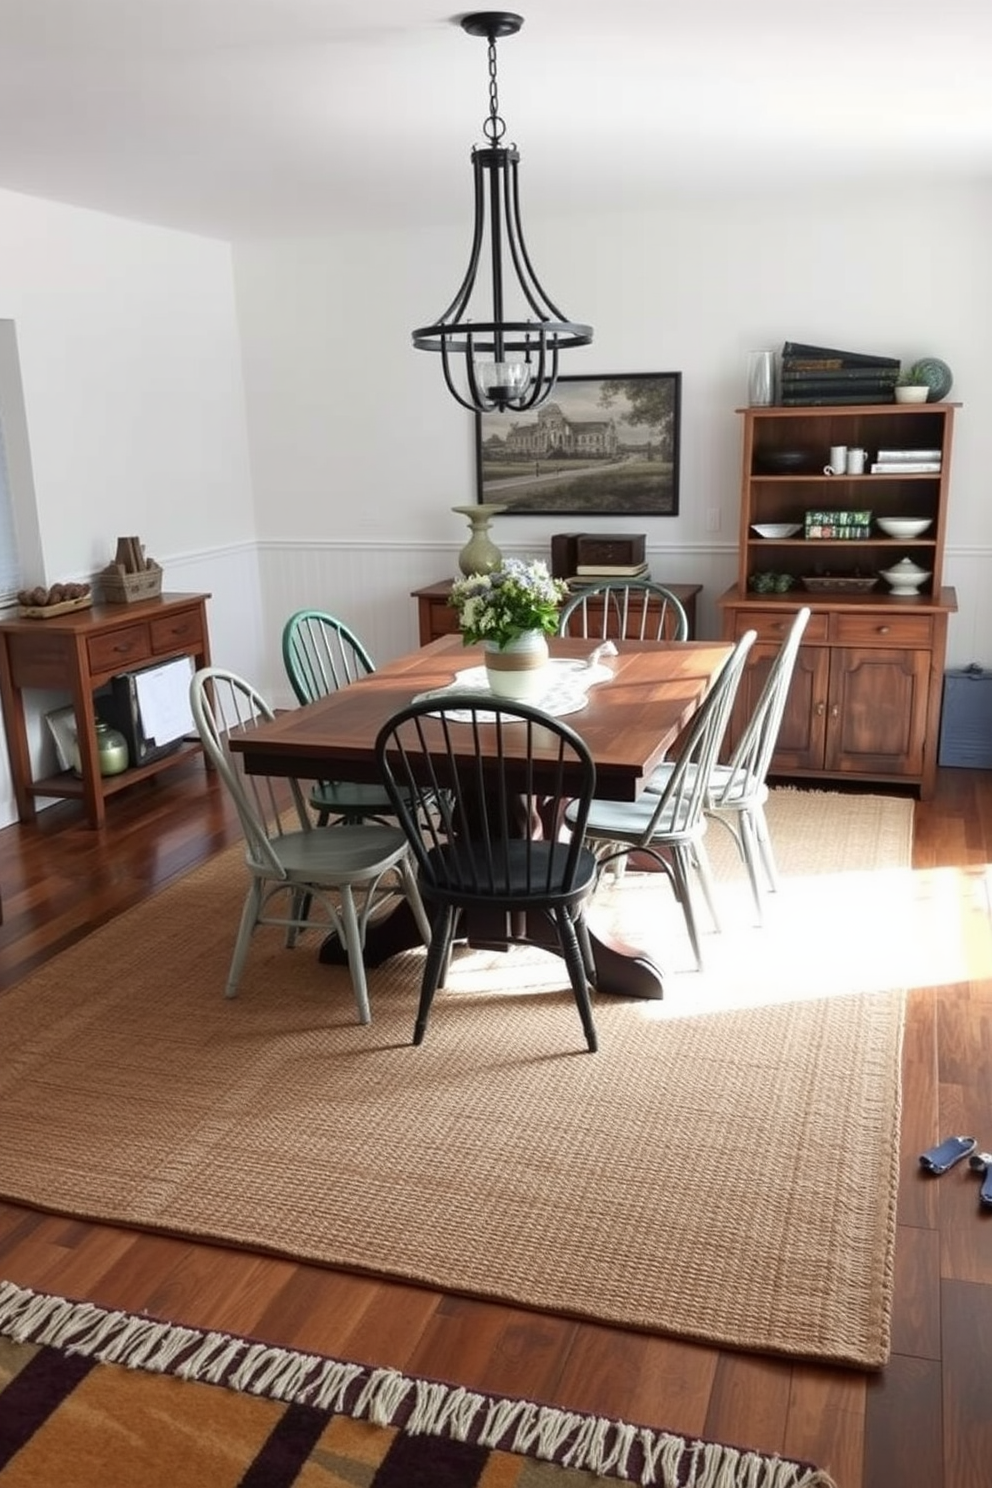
<point>738,790</point>
<point>669,825</point>
<point>292,865</point>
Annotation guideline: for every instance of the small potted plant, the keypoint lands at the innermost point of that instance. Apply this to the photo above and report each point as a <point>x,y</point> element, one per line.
<point>909,388</point>
<point>512,611</point>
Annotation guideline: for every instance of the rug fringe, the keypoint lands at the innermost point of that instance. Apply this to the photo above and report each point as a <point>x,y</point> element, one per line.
<point>635,1454</point>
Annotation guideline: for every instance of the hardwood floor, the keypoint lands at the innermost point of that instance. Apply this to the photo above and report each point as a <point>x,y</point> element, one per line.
<point>925,1421</point>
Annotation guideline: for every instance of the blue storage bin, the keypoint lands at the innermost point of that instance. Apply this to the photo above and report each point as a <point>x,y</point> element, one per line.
<point>966,719</point>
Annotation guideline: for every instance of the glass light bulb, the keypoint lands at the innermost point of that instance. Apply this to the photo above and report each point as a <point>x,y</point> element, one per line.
<point>503,379</point>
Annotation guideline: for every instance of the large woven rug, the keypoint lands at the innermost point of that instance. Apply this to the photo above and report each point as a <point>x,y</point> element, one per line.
<point>728,1176</point>
<point>97,1399</point>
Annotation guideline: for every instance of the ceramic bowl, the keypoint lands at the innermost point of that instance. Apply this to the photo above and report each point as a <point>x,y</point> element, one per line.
<point>904,527</point>
<point>905,577</point>
<point>776,529</point>
<point>782,462</point>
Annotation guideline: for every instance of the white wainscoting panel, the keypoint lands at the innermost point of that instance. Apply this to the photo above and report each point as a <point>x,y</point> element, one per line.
<point>369,587</point>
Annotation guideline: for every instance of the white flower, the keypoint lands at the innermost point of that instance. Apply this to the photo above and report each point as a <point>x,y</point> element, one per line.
<point>512,599</point>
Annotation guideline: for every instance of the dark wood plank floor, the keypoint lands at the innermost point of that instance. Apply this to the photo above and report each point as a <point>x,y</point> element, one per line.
<point>923,1422</point>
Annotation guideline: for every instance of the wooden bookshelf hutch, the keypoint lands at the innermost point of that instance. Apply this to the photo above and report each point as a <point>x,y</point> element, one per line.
<point>865,699</point>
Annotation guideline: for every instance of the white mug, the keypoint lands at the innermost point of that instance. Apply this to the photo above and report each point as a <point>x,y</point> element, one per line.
<point>856,461</point>
<point>838,460</point>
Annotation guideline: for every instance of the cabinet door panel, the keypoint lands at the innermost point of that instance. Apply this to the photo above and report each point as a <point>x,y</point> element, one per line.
<point>801,736</point>
<point>877,711</point>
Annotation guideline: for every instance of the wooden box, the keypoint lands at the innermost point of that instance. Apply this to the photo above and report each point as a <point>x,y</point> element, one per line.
<point>118,588</point>
<point>606,550</point>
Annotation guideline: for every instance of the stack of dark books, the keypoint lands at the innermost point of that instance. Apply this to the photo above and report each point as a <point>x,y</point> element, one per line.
<point>819,375</point>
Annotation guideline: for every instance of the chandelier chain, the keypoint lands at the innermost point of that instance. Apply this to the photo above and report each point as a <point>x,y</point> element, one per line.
<point>494,127</point>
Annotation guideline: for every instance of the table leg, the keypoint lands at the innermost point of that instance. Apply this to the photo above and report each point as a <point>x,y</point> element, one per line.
<point>395,932</point>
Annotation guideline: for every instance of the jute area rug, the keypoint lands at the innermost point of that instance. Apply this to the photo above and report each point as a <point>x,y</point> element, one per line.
<point>95,1399</point>
<point>728,1176</point>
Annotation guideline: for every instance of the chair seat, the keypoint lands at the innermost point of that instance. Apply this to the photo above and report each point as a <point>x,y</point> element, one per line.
<point>728,788</point>
<point>344,798</point>
<point>628,821</point>
<point>734,789</point>
<point>527,869</point>
<point>349,853</point>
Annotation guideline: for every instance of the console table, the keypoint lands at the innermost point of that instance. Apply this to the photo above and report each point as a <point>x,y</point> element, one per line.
<point>437,618</point>
<point>78,652</point>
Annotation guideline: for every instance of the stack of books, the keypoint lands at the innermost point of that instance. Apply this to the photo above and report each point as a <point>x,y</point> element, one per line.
<point>907,462</point>
<point>820,375</point>
<point>838,525</point>
<point>585,558</point>
<point>592,573</point>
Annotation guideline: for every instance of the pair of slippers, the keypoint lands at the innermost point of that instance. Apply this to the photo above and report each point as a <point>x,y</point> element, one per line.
<point>938,1159</point>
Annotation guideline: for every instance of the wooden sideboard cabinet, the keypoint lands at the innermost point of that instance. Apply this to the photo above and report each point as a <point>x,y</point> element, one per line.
<point>864,703</point>
<point>436,617</point>
<point>79,652</point>
<point>865,699</point>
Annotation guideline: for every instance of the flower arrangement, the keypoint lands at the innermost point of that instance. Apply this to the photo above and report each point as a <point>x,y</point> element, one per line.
<point>502,605</point>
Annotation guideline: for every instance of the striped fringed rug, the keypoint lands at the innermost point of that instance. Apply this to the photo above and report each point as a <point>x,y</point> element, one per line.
<point>194,1407</point>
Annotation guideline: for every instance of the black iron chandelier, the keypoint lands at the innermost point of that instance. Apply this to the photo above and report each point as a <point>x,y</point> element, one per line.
<point>509,363</point>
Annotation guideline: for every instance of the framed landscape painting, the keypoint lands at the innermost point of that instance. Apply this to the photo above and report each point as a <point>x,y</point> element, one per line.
<point>600,446</point>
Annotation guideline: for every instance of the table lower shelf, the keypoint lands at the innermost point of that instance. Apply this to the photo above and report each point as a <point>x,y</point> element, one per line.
<point>67,786</point>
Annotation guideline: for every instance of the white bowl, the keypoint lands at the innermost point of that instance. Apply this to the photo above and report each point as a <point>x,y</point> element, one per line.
<point>911,394</point>
<point>904,527</point>
<point>776,529</point>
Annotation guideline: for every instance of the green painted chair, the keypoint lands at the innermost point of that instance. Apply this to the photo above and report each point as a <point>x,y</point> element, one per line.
<point>320,655</point>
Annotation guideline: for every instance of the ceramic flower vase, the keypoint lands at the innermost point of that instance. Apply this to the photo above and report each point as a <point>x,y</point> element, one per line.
<point>518,671</point>
<point>480,555</point>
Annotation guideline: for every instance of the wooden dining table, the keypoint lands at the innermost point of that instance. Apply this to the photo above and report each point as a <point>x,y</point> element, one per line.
<point>629,721</point>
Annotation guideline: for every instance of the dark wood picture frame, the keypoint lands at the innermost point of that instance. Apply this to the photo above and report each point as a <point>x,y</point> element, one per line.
<point>600,446</point>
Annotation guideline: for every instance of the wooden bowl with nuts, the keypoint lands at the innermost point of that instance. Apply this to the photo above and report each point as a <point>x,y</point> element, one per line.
<point>41,603</point>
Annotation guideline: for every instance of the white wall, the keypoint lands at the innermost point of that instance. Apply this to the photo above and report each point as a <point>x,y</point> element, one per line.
<point>276,441</point>
<point>358,452</point>
<point>130,367</point>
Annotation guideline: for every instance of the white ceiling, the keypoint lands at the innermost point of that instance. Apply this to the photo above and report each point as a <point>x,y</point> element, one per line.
<point>244,117</point>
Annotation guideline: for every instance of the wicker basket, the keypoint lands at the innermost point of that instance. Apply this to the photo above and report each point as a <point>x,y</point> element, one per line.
<point>118,588</point>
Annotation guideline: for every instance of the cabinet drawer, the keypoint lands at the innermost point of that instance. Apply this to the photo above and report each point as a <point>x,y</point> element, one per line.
<point>117,650</point>
<point>882,630</point>
<point>177,631</point>
<point>773,625</point>
<point>443,621</point>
